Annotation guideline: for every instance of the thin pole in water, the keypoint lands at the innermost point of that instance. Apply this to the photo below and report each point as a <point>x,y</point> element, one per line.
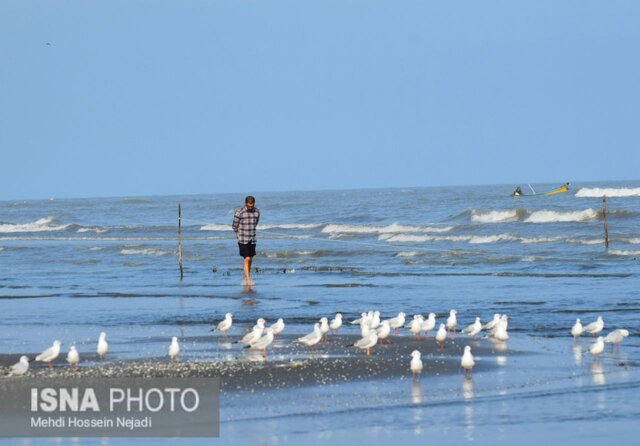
<point>180,240</point>
<point>604,218</point>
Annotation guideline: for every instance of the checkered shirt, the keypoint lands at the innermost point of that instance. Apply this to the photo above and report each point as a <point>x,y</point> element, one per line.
<point>244,224</point>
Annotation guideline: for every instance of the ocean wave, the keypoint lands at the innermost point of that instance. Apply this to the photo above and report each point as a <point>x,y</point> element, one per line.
<point>472,239</point>
<point>632,241</point>
<point>586,242</point>
<point>95,229</point>
<point>621,252</point>
<point>528,240</point>
<point>393,228</point>
<point>562,217</point>
<point>484,216</point>
<point>41,225</point>
<point>96,248</point>
<point>216,227</point>
<point>227,227</point>
<point>145,251</point>
<point>292,254</point>
<point>596,192</point>
<point>409,254</point>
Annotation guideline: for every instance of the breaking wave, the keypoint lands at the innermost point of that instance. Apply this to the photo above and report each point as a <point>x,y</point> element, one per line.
<point>562,217</point>
<point>96,230</point>
<point>394,228</point>
<point>42,225</point>
<point>619,252</point>
<point>145,251</point>
<point>473,239</point>
<point>483,216</point>
<point>596,192</point>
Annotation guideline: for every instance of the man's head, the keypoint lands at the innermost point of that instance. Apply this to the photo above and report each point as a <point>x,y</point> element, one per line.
<point>249,201</point>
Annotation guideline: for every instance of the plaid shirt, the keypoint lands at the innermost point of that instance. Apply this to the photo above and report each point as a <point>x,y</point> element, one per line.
<point>244,224</point>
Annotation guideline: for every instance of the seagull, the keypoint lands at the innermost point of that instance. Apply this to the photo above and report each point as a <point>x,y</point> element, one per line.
<point>500,330</point>
<point>20,368</point>
<point>364,329</point>
<point>429,324</point>
<point>254,334</point>
<point>595,327</point>
<point>577,329</point>
<point>416,325</point>
<point>616,336</point>
<point>363,317</point>
<point>383,332</point>
<point>397,322</point>
<point>264,342</point>
<point>467,362</point>
<point>452,321</point>
<point>441,335</point>
<point>277,327</point>
<point>367,342</point>
<point>324,328</point>
<point>103,347</point>
<point>73,358</point>
<point>473,329</point>
<point>597,347</point>
<point>336,322</point>
<point>416,363</point>
<point>491,324</point>
<point>174,348</point>
<point>50,354</point>
<point>225,324</point>
<point>375,320</point>
<point>312,338</point>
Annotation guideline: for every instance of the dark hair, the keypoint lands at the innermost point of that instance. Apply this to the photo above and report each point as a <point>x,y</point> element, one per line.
<point>249,199</point>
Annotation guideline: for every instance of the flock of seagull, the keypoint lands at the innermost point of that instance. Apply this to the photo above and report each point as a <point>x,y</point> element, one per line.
<point>373,330</point>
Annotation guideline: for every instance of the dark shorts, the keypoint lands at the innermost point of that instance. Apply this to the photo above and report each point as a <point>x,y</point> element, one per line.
<point>247,249</point>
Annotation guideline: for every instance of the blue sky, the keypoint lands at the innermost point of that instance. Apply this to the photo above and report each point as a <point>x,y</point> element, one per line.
<point>170,97</point>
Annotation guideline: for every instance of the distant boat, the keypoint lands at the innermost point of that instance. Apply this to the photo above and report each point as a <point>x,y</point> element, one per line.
<point>561,190</point>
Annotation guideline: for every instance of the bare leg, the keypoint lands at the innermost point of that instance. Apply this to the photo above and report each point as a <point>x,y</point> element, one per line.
<point>247,270</point>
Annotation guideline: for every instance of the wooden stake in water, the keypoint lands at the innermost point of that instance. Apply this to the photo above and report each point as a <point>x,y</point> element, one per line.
<point>604,218</point>
<point>180,240</point>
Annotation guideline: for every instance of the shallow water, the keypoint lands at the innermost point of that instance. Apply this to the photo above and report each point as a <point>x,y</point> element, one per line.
<point>72,268</point>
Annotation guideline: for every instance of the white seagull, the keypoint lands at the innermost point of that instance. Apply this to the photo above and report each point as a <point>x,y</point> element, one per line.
<point>616,336</point>
<point>397,322</point>
<point>441,335</point>
<point>336,322</point>
<point>492,323</point>
<point>277,327</point>
<point>224,325</point>
<point>595,327</point>
<point>473,329</point>
<point>324,328</point>
<point>367,342</point>
<point>103,347</point>
<point>597,347</point>
<point>174,348</point>
<point>429,324</point>
<point>415,326</point>
<point>500,330</point>
<point>73,358</point>
<point>20,368</point>
<point>50,354</point>
<point>467,362</point>
<point>577,329</point>
<point>312,338</point>
<point>264,342</point>
<point>383,332</point>
<point>254,334</point>
<point>416,363</point>
<point>452,320</point>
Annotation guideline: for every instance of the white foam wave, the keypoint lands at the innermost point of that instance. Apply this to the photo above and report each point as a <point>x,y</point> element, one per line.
<point>478,216</point>
<point>145,251</point>
<point>617,252</point>
<point>472,239</point>
<point>529,259</point>
<point>41,225</point>
<point>96,230</point>
<point>1,248</point>
<point>562,217</point>
<point>290,254</point>
<point>393,228</point>
<point>527,240</point>
<point>597,192</point>
<point>96,248</point>
<point>632,241</point>
<point>409,253</point>
<point>587,242</point>
<point>290,226</point>
<point>216,227</point>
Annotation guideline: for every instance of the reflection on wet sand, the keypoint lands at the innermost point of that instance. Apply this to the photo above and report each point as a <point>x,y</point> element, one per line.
<point>416,392</point>
<point>467,388</point>
<point>500,346</point>
<point>577,353</point>
<point>597,373</point>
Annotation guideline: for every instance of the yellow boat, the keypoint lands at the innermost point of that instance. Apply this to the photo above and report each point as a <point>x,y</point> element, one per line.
<point>561,190</point>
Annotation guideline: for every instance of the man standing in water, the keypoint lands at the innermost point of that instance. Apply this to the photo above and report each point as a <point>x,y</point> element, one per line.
<point>244,225</point>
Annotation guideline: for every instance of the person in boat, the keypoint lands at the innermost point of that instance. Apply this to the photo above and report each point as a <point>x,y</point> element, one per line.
<point>517,192</point>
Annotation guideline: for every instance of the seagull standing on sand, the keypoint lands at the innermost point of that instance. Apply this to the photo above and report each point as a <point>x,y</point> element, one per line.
<point>616,336</point>
<point>254,334</point>
<point>429,324</point>
<point>367,342</point>
<point>576,330</point>
<point>441,335</point>
<point>312,338</point>
<point>225,324</point>
<point>492,323</point>
<point>264,342</point>
<point>363,317</point>
<point>467,362</point>
<point>597,347</point>
<point>383,332</point>
<point>473,329</point>
<point>73,358</point>
<point>415,326</point>
<point>375,320</point>
<point>174,349</point>
<point>500,330</point>
<point>324,328</point>
<point>452,321</point>
<point>278,327</point>
<point>397,322</point>
<point>595,327</point>
<point>416,363</point>
<point>103,347</point>
<point>364,328</point>
<point>20,367</point>
<point>336,322</point>
<point>50,354</point>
